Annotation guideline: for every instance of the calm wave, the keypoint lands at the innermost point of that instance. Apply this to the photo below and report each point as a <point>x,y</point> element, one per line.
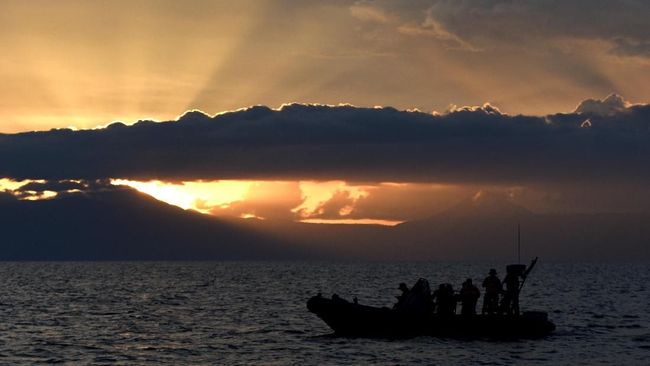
<point>254,313</point>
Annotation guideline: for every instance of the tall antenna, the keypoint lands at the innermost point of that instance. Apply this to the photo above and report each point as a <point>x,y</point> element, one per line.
<point>518,243</point>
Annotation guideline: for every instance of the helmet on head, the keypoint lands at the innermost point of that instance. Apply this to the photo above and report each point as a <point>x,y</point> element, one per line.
<point>493,272</point>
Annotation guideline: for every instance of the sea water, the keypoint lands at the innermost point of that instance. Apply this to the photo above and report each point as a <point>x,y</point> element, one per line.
<point>184,313</point>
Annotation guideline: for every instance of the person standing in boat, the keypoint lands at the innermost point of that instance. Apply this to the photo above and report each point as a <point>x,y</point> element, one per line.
<point>468,297</point>
<point>493,289</point>
<point>444,299</point>
<point>510,301</point>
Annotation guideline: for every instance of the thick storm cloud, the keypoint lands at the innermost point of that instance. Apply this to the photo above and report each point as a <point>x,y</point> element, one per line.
<point>479,145</point>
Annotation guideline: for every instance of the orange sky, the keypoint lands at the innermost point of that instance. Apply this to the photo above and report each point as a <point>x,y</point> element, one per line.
<point>87,63</point>
<point>305,201</point>
<point>340,202</point>
<point>84,64</point>
<point>334,202</point>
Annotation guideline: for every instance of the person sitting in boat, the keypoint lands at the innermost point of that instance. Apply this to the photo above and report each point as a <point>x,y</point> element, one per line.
<point>493,289</point>
<point>468,297</point>
<point>444,300</point>
<point>415,301</point>
<point>400,298</point>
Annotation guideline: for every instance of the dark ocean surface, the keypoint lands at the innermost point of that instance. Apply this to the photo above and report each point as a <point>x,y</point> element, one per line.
<point>254,313</point>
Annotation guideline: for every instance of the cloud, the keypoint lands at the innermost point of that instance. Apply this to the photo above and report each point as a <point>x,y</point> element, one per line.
<point>55,186</point>
<point>499,20</point>
<point>363,10</point>
<point>320,142</point>
<point>43,189</point>
<point>527,56</point>
<point>264,200</point>
<point>388,201</point>
<point>341,204</point>
<point>609,106</point>
<point>432,28</point>
<point>632,47</point>
<point>537,25</point>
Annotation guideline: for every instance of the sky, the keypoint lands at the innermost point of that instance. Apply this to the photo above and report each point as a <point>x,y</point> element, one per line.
<point>88,63</point>
<point>365,111</point>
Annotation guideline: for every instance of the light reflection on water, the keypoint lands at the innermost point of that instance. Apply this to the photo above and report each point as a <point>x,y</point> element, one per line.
<point>254,312</point>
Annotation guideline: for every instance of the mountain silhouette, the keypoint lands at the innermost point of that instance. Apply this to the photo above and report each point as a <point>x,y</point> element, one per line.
<point>486,204</point>
<point>123,224</point>
<point>485,227</point>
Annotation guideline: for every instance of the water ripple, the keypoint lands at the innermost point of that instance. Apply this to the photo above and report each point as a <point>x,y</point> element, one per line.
<point>254,313</point>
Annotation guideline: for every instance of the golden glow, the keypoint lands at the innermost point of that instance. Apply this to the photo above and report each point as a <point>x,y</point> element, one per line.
<point>328,202</point>
<point>35,196</point>
<point>353,221</point>
<point>199,196</point>
<point>250,216</point>
<point>319,202</point>
<point>315,194</point>
<point>86,63</point>
<point>10,184</point>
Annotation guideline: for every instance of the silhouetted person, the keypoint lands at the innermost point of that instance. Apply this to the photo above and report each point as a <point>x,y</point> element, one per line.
<point>444,299</point>
<point>400,298</point>
<point>493,289</point>
<point>468,297</point>
<point>510,301</point>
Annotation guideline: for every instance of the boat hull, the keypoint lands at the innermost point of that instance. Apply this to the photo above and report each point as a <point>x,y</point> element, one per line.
<point>354,320</point>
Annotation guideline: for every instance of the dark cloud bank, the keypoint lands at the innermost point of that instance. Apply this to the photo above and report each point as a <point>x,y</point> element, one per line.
<point>604,141</point>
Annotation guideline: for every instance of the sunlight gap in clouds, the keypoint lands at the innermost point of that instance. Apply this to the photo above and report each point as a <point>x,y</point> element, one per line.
<point>13,187</point>
<point>243,199</point>
<point>199,196</point>
<point>353,222</point>
<point>317,202</point>
<point>10,184</point>
<point>315,194</point>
